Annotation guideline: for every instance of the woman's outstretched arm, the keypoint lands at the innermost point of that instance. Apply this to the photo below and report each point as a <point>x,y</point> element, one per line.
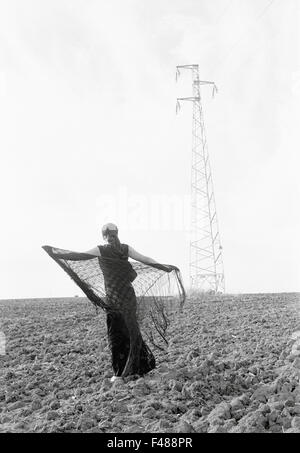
<point>139,257</point>
<point>73,256</point>
<point>94,251</point>
<point>147,260</point>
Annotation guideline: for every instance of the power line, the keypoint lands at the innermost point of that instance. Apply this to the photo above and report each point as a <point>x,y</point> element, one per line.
<point>224,12</point>
<point>266,8</point>
<point>257,18</point>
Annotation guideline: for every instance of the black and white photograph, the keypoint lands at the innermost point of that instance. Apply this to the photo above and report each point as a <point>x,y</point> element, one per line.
<point>150,193</point>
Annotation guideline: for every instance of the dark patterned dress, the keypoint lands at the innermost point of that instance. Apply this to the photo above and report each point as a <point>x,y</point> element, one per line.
<point>131,294</point>
<point>130,354</point>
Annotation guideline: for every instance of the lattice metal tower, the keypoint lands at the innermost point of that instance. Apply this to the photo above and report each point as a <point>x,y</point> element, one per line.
<point>206,262</point>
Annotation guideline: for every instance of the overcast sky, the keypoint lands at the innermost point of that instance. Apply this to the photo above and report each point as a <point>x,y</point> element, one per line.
<point>89,134</point>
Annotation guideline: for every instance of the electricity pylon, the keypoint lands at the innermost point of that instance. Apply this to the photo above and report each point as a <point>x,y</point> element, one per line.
<point>206,261</point>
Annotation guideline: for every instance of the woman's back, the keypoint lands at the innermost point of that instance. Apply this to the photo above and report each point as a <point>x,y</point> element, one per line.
<point>109,251</point>
<point>117,271</point>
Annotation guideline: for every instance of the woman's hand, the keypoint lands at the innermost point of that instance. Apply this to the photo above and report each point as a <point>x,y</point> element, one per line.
<point>169,267</point>
<point>172,268</point>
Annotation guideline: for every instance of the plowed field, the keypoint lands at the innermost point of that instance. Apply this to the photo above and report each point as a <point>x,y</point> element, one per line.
<point>232,365</point>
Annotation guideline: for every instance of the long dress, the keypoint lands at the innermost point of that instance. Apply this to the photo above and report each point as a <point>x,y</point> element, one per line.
<point>130,353</point>
<point>133,295</point>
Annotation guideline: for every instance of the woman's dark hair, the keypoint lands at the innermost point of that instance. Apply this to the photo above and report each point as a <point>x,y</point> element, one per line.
<point>110,231</point>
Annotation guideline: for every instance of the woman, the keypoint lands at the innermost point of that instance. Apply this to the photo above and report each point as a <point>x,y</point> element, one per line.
<point>109,280</point>
<point>130,354</point>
